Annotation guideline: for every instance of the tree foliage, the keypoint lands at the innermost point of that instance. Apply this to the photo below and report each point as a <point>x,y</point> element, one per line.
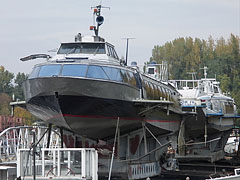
<point>4,104</point>
<point>26,115</point>
<point>9,87</point>
<point>6,81</point>
<point>221,56</point>
<point>18,89</point>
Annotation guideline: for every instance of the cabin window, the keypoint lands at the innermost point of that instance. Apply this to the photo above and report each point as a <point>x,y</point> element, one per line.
<point>84,48</point>
<point>164,95</point>
<point>96,72</point>
<point>216,89</point>
<point>77,70</point>
<point>124,76</point>
<point>92,48</point>
<point>150,70</point>
<point>113,73</point>
<point>131,78</point>
<point>169,95</point>
<point>112,52</point>
<point>49,70</point>
<point>109,50</point>
<point>34,73</point>
<point>159,92</point>
<point>156,95</point>
<point>148,90</point>
<point>151,91</point>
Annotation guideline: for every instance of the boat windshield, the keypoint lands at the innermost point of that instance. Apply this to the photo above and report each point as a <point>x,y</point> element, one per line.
<point>82,48</point>
<point>84,70</point>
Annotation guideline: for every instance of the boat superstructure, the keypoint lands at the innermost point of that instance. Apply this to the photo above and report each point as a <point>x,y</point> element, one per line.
<point>216,115</point>
<point>85,87</point>
<point>206,94</point>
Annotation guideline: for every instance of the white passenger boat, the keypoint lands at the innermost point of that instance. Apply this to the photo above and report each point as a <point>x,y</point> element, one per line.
<point>208,132</point>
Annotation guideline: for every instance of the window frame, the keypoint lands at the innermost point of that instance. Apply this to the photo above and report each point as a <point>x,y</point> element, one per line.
<point>64,65</point>
<point>48,65</point>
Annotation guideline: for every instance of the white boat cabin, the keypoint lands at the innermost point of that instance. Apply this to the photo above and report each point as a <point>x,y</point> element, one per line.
<point>87,47</point>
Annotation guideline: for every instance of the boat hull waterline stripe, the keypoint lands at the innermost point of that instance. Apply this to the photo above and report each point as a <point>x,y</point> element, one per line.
<point>122,118</point>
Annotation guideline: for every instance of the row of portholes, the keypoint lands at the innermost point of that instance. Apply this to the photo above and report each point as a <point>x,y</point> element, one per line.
<point>143,169</point>
<point>155,92</point>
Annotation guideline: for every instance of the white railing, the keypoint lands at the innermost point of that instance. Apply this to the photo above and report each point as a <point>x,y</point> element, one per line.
<point>143,170</point>
<point>67,163</point>
<point>14,138</point>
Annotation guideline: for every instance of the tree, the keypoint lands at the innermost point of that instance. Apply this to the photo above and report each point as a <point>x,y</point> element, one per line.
<point>4,105</point>
<point>26,115</point>
<point>225,82</point>
<point>18,89</point>
<point>6,81</point>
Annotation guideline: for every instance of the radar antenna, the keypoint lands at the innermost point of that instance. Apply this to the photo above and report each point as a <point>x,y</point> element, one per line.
<point>99,18</point>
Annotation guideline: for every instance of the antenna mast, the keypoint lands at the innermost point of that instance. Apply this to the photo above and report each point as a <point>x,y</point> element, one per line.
<point>99,18</point>
<point>127,49</point>
<point>205,68</point>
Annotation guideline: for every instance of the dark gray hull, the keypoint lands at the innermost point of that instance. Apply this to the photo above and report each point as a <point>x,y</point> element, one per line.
<point>91,107</point>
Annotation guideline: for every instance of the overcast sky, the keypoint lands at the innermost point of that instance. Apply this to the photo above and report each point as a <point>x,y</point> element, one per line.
<point>29,26</point>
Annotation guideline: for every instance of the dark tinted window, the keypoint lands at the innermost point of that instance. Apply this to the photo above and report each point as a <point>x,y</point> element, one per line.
<point>160,92</point>
<point>148,89</point>
<point>164,92</point>
<point>96,72</point>
<point>85,48</point>
<point>215,89</point>
<point>124,76</point>
<point>34,73</point>
<point>150,70</point>
<point>115,54</point>
<point>49,70</point>
<point>113,73</point>
<point>151,91</point>
<point>132,79</point>
<point>112,52</point>
<point>109,50</point>
<point>77,70</point>
<point>156,96</point>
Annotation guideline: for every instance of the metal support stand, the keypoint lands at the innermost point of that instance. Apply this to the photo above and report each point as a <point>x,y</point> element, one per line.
<point>167,110</point>
<point>34,155</point>
<point>113,151</point>
<point>238,138</point>
<point>181,138</point>
<point>61,133</point>
<point>118,144</point>
<point>153,135</point>
<point>49,134</point>
<point>61,136</point>
<point>128,147</point>
<point>83,141</point>
<point>144,137</point>
<point>205,134</point>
